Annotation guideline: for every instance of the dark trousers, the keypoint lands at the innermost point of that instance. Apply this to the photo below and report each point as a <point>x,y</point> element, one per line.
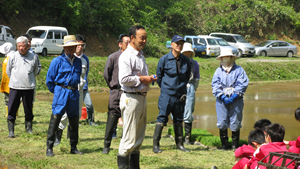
<point>14,103</point>
<point>114,102</point>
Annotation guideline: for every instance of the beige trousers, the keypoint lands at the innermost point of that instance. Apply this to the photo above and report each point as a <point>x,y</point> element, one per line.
<point>134,112</point>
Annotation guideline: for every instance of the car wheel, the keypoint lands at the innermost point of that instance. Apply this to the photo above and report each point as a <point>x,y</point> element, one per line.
<point>290,54</point>
<point>263,53</point>
<point>240,53</point>
<point>44,52</point>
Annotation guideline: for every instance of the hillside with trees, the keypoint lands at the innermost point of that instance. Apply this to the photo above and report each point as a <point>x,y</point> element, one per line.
<point>102,21</point>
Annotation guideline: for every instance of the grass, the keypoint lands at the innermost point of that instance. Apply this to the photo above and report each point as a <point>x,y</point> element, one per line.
<point>28,150</point>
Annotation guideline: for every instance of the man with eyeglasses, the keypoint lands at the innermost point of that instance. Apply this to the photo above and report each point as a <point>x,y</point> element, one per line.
<point>111,73</point>
<point>173,73</point>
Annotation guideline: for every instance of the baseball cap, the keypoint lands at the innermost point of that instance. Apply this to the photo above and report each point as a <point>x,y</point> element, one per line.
<point>177,38</point>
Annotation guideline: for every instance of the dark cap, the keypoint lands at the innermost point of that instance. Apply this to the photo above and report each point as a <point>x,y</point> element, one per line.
<point>177,38</point>
<point>121,37</point>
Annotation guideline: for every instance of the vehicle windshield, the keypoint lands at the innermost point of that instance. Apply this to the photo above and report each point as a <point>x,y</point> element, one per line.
<point>264,43</point>
<point>241,39</point>
<point>222,42</point>
<point>199,41</point>
<point>37,33</point>
<point>212,41</point>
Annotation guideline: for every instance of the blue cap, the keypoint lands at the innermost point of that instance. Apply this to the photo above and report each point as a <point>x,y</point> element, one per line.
<point>177,38</point>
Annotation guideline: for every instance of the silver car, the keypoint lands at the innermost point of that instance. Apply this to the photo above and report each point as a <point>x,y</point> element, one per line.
<point>275,48</point>
<point>223,45</point>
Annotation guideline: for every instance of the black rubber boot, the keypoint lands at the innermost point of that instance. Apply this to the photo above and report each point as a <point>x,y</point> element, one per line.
<point>188,133</point>
<point>135,160</point>
<point>68,131</point>
<point>111,122</point>
<point>179,137</point>
<point>235,139</point>
<point>58,136</point>
<point>157,136</point>
<point>11,128</point>
<point>74,125</point>
<point>28,126</point>
<point>224,139</point>
<point>53,125</point>
<point>123,162</point>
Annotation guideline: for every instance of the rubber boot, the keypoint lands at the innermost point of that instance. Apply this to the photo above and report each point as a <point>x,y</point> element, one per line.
<point>179,137</point>
<point>68,131</point>
<point>188,131</point>
<point>112,121</point>
<point>135,160</point>
<point>11,128</point>
<point>53,125</point>
<point>224,139</point>
<point>28,126</point>
<point>235,139</point>
<point>123,162</point>
<point>157,136</point>
<point>74,125</point>
<point>58,136</point>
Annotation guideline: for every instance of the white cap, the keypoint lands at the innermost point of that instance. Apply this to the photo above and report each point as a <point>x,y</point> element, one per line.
<point>6,49</point>
<point>226,52</point>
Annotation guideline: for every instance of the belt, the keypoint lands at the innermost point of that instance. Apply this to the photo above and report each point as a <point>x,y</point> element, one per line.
<point>68,87</point>
<point>138,93</point>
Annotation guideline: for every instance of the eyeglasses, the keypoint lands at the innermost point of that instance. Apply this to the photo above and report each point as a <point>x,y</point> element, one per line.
<point>126,42</point>
<point>179,43</point>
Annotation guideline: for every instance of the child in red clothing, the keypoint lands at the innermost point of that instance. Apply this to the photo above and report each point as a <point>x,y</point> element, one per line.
<point>248,150</point>
<point>295,145</point>
<point>274,138</point>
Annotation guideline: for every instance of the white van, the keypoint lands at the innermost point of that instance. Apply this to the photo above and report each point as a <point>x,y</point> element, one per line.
<point>6,35</point>
<point>238,41</point>
<point>212,46</point>
<point>45,38</point>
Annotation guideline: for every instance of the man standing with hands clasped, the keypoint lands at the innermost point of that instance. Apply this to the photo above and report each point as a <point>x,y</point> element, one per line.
<point>173,73</point>
<point>134,81</point>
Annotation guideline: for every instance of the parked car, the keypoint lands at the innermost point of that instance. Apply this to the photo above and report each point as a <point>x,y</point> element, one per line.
<point>237,41</point>
<point>198,44</point>
<point>168,44</point>
<point>6,35</point>
<point>275,48</point>
<point>212,46</point>
<point>45,38</point>
<point>224,45</point>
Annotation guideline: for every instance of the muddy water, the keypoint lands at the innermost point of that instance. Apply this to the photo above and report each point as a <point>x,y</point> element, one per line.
<point>276,102</point>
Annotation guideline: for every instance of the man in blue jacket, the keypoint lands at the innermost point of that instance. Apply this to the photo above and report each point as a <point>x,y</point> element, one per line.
<point>62,79</point>
<point>173,73</point>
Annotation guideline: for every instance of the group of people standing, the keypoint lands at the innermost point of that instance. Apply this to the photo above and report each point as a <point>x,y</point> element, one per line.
<point>126,74</point>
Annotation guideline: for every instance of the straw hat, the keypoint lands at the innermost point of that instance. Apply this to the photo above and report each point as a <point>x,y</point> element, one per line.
<point>7,49</point>
<point>188,47</point>
<point>70,40</point>
<point>226,52</point>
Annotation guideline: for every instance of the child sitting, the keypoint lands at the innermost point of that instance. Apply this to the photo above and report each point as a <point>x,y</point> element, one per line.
<point>295,145</point>
<point>248,150</point>
<point>255,139</point>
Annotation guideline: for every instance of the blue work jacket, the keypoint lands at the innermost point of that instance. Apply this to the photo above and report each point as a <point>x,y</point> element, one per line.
<point>171,82</point>
<point>62,72</point>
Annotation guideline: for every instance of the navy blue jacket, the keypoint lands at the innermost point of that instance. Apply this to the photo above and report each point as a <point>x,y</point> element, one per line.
<point>168,80</point>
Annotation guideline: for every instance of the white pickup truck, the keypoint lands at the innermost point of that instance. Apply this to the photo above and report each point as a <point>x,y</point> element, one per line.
<point>6,35</point>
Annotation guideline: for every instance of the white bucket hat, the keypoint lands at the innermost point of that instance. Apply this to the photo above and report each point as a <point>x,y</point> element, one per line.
<point>226,52</point>
<point>70,40</point>
<point>7,49</point>
<point>188,47</point>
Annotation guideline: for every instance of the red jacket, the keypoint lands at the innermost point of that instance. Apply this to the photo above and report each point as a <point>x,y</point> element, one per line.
<point>295,146</point>
<point>244,151</point>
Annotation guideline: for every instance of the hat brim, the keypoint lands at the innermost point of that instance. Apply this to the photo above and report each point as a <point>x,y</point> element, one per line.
<point>70,44</point>
<point>220,56</point>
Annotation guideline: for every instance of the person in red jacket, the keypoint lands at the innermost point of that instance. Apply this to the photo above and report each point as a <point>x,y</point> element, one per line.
<point>248,150</point>
<point>294,146</point>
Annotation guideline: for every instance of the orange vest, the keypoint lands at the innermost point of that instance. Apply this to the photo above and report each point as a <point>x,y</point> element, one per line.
<point>5,79</point>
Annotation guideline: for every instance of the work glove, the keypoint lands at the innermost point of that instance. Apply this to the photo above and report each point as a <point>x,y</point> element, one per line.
<point>225,99</point>
<point>233,97</point>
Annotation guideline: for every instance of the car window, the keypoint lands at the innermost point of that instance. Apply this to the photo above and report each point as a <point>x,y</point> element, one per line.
<point>231,39</point>
<point>283,44</point>
<point>222,42</point>
<point>50,35</point>
<point>198,41</point>
<point>241,39</point>
<point>189,40</point>
<point>211,41</point>
<point>275,44</point>
<point>57,35</point>
<point>37,33</point>
<point>264,43</point>
<point>63,33</point>
<point>9,33</point>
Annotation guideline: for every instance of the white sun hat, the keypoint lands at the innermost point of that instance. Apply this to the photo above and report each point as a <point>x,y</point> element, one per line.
<point>226,52</point>
<point>70,40</point>
<point>188,47</point>
<point>7,49</point>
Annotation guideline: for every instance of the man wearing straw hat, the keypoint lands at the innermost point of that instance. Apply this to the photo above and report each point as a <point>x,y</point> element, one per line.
<point>62,79</point>
<point>229,84</point>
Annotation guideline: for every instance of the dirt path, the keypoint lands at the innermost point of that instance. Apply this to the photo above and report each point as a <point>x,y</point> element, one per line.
<point>269,60</point>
